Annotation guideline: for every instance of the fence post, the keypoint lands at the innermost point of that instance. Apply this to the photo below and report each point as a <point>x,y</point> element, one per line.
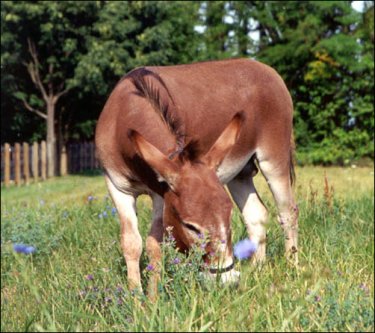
<point>81,156</point>
<point>44,160</point>
<point>17,164</point>
<point>6,164</point>
<point>92,155</point>
<point>26,169</point>
<point>63,161</point>
<point>35,161</point>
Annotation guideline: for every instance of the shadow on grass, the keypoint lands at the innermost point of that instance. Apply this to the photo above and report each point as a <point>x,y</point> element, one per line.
<point>89,173</point>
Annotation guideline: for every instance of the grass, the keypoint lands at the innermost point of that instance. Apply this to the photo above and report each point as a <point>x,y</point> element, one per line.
<point>76,279</point>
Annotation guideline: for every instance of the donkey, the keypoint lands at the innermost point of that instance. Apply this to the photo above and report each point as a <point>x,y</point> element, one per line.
<point>180,133</point>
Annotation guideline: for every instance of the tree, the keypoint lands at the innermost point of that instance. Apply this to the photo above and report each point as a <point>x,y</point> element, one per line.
<point>317,48</point>
<point>139,33</point>
<point>242,13</point>
<point>42,44</point>
<point>216,42</point>
<point>60,60</point>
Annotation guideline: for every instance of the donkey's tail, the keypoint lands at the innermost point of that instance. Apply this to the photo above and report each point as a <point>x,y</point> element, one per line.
<point>292,160</point>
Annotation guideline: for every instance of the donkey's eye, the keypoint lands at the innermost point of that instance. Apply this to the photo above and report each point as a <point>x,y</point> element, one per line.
<point>191,227</point>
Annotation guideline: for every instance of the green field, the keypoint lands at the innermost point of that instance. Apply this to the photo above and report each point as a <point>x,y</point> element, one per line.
<point>76,279</point>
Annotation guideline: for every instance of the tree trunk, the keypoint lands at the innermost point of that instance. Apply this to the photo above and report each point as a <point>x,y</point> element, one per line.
<point>51,138</point>
<point>243,38</point>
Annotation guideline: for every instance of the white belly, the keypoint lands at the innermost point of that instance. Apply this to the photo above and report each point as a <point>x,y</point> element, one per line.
<point>229,168</point>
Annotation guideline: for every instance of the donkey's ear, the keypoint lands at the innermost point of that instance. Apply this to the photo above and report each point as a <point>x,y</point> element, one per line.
<point>165,168</point>
<point>224,143</point>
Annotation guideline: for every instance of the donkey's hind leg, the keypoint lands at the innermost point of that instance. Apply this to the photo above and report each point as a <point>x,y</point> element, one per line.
<point>277,174</point>
<point>254,213</point>
<point>131,241</point>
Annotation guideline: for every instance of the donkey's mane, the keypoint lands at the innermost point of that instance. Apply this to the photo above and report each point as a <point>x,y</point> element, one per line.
<point>144,81</point>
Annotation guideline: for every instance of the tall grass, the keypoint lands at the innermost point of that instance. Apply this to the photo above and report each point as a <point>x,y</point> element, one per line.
<point>76,279</point>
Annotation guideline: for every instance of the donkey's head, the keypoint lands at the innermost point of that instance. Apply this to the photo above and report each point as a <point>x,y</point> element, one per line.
<point>196,204</point>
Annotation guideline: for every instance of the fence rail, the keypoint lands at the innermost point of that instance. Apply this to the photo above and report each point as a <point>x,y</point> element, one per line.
<point>23,163</point>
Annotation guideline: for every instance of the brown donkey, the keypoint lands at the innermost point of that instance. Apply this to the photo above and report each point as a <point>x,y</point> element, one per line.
<point>179,134</point>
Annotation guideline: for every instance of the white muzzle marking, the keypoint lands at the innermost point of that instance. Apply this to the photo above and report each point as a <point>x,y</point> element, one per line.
<point>226,276</point>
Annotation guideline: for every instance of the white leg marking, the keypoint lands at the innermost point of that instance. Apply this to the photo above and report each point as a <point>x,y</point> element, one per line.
<point>131,241</point>
<point>253,211</point>
<point>279,182</point>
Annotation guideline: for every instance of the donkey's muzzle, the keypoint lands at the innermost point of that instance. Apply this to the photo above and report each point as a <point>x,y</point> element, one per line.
<point>225,276</point>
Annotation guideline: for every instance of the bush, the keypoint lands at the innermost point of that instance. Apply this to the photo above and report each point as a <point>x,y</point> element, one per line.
<point>340,148</point>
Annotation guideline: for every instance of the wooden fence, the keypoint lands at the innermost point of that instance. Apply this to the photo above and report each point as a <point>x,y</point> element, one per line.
<point>23,163</point>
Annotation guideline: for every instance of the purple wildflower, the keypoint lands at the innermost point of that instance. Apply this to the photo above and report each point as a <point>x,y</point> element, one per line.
<point>105,214</point>
<point>317,298</point>
<point>119,289</point>
<point>203,245</point>
<point>150,267</point>
<point>108,299</point>
<point>89,277</point>
<point>363,287</point>
<point>200,236</point>
<point>244,249</point>
<point>223,241</point>
<point>90,198</point>
<point>176,261</point>
<point>119,302</point>
<point>22,248</point>
<point>170,238</point>
<point>114,211</point>
<point>100,216</point>
<point>82,293</point>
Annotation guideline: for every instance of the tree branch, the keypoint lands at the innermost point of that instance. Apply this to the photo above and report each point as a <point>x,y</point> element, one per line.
<point>61,93</point>
<point>33,69</point>
<point>30,108</point>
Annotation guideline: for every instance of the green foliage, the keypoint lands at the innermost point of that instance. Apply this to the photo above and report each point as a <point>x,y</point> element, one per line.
<point>131,34</point>
<point>58,30</point>
<point>324,50</point>
<point>323,58</point>
<point>32,227</point>
<point>341,148</point>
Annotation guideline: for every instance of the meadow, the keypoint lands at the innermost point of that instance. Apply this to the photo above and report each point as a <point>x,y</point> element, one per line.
<point>76,278</point>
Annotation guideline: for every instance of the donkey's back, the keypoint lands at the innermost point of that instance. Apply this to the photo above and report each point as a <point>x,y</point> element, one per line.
<point>196,102</point>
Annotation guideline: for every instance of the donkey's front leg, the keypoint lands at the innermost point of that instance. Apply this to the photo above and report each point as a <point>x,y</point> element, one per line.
<point>254,212</point>
<point>131,241</point>
<point>153,248</point>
